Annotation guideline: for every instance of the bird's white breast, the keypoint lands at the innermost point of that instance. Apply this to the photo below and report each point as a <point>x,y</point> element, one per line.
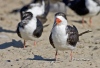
<point>59,37</point>
<point>27,32</point>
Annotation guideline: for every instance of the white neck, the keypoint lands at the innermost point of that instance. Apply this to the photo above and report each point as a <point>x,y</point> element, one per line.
<point>32,21</point>
<point>65,22</point>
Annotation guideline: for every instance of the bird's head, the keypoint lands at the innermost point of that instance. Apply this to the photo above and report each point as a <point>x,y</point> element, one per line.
<point>60,18</point>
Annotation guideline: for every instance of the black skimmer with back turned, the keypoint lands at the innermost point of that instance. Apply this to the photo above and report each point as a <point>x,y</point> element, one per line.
<point>63,36</point>
<point>30,28</point>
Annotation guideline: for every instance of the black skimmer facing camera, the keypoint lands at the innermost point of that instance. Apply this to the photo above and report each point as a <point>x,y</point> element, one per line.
<point>39,8</point>
<point>63,36</point>
<point>30,28</point>
<point>84,8</point>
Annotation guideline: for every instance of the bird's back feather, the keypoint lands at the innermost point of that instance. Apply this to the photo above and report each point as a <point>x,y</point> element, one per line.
<point>72,35</point>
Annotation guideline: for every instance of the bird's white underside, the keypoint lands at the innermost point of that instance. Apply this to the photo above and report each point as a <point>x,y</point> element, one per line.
<point>59,36</point>
<point>27,32</point>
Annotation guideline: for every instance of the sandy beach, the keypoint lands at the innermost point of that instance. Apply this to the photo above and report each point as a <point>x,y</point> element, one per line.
<point>13,55</point>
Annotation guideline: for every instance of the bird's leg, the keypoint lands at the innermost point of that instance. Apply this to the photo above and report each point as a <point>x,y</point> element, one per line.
<point>71,55</point>
<point>90,21</point>
<point>56,54</point>
<point>34,43</point>
<point>24,43</point>
<point>83,21</point>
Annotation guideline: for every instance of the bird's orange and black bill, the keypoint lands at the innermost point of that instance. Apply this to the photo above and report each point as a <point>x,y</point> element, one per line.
<point>58,21</point>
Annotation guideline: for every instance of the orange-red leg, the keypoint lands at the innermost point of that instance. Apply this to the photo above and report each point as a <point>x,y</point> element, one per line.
<point>56,54</point>
<point>24,43</point>
<point>34,43</point>
<point>71,55</point>
<point>83,21</point>
<point>90,21</point>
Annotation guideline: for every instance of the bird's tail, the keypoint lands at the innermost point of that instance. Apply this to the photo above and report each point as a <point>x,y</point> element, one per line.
<point>84,32</point>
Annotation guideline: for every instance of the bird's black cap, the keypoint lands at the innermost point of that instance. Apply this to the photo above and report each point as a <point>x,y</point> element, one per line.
<point>61,14</point>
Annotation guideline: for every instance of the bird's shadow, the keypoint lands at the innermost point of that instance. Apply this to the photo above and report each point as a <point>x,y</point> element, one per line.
<point>14,43</point>
<point>37,57</point>
<point>5,30</point>
<point>78,21</point>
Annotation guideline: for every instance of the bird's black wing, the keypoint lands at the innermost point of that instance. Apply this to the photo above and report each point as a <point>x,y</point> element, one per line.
<point>47,7</point>
<point>79,7</point>
<point>73,36</point>
<point>51,41</point>
<point>18,32</point>
<point>39,29</point>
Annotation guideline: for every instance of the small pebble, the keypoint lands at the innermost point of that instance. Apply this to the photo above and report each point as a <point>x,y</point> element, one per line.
<point>17,59</point>
<point>95,43</point>
<point>8,60</point>
<point>90,46</point>
<point>8,50</point>
<point>1,18</point>
<point>90,63</point>
<point>92,36</point>
<point>84,59</point>
<point>95,48</point>
<point>98,29</point>
<point>52,62</point>
<point>88,59</point>
<point>78,59</point>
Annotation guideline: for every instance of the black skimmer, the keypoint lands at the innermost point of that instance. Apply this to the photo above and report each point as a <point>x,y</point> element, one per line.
<point>39,8</point>
<point>30,28</point>
<point>84,8</point>
<point>63,36</point>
